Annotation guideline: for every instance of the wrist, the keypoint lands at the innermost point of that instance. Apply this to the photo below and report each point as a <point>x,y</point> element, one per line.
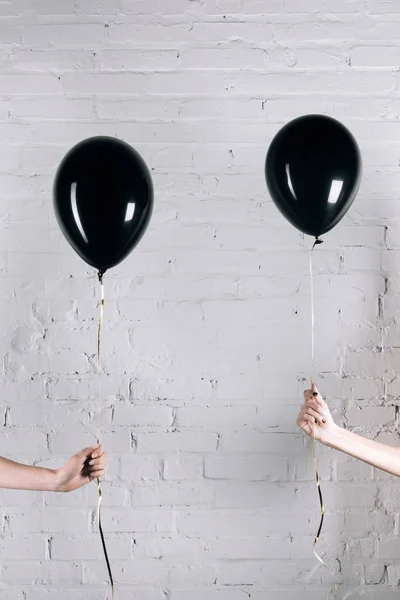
<point>332,435</point>
<point>57,485</point>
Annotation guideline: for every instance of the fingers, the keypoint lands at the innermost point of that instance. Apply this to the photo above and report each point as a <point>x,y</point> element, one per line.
<point>308,419</point>
<point>313,392</point>
<point>97,474</point>
<point>306,423</point>
<point>314,411</point>
<point>87,453</point>
<point>309,394</point>
<point>317,417</point>
<point>97,451</point>
<point>316,396</point>
<point>312,402</point>
<point>92,451</point>
<point>96,463</point>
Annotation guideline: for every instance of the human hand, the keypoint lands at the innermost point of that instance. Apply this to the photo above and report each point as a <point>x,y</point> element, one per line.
<point>84,466</point>
<point>315,418</point>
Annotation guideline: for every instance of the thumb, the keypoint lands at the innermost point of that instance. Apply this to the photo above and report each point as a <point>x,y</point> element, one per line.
<point>314,389</point>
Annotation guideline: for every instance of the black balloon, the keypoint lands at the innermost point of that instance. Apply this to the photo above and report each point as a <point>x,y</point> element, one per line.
<point>313,172</point>
<point>103,200</point>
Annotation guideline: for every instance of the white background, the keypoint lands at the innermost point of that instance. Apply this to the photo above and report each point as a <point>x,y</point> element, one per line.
<point>206,349</point>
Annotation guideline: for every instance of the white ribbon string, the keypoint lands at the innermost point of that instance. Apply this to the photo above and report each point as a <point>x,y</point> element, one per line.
<point>100,495</point>
<point>317,477</point>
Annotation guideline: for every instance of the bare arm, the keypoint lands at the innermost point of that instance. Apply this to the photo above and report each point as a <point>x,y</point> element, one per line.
<point>24,477</point>
<point>315,419</point>
<point>83,467</point>
<point>381,456</point>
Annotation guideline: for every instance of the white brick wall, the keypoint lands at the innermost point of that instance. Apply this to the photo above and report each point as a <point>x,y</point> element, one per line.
<point>210,492</point>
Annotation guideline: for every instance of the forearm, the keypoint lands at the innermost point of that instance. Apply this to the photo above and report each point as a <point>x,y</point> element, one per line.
<point>381,456</point>
<point>25,477</point>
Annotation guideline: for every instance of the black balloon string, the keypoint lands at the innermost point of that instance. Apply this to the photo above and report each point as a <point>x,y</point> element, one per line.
<point>99,330</point>
<point>314,453</point>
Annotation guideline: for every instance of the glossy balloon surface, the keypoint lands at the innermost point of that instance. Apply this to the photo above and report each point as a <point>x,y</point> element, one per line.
<point>313,172</point>
<point>103,200</point>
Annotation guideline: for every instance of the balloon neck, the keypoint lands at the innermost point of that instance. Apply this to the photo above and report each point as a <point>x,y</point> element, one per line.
<point>100,275</point>
<point>316,242</point>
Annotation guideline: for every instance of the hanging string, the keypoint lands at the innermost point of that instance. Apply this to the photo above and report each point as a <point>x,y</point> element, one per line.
<point>317,477</point>
<point>316,242</point>
<point>99,330</point>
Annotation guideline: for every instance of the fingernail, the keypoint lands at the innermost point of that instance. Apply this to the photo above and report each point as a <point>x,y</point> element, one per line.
<point>323,420</point>
<point>315,393</point>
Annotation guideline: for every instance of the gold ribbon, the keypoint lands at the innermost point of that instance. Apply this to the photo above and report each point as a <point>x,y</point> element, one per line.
<point>317,477</point>
<point>99,329</point>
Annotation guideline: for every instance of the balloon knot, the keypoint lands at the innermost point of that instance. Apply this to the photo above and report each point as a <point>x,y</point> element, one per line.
<point>100,275</point>
<point>316,242</point>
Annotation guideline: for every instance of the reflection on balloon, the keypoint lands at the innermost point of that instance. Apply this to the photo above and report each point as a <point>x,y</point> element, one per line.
<point>313,172</point>
<point>103,200</point>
